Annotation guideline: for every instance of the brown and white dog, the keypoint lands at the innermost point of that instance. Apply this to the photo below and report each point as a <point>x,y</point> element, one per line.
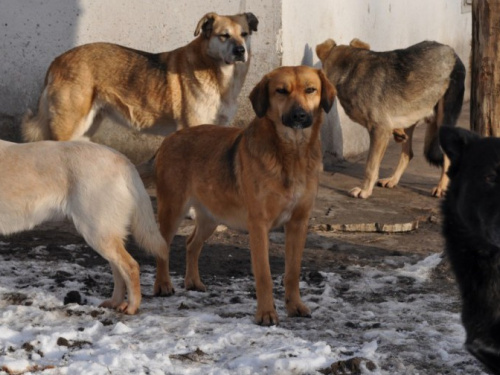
<point>159,93</point>
<point>97,188</point>
<point>255,179</point>
<point>390,92</point>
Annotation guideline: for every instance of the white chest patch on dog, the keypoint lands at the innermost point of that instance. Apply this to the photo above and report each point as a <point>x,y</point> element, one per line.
<point>287,211</point>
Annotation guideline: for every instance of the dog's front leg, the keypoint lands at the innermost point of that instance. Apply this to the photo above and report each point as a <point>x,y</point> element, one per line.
<point>296,232</point>
<point>379,138</point>
<point>205,226</point>
<point>259,247</point>
<point>404,160</point>
<point>163,284</point>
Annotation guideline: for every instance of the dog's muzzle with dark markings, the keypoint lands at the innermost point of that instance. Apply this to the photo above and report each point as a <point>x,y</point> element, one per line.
<point>297,118</point>
<point>239,53</point>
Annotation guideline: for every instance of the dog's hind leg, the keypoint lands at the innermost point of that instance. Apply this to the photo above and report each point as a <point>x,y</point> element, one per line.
<point>379,139</point>
<point>404,159</point>
<point>125,274</point>
<point>171,211</point>
<point>432,149</point>
<point>145,231</point>
<point>440,189</point>
<point>204,228</point>
<point>446,113</point>
<point>72,112</point>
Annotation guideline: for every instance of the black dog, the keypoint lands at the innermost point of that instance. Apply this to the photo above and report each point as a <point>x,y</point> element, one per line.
<point>471,227</point>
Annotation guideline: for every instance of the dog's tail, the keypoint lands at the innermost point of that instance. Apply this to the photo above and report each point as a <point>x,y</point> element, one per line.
<point>143,226</point>
<point>446,113</point>
<point>34,128</point>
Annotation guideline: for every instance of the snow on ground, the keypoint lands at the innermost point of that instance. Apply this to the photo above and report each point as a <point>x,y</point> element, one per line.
<point>388,319</point>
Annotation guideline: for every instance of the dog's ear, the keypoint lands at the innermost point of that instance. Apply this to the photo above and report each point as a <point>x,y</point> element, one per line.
<point>260,97</point>
<point>253,22</point>
<point>453,141</point>
<point>328,92</point>
<point>323,49</point>
<point>205,24</point>
<point>356,43</point>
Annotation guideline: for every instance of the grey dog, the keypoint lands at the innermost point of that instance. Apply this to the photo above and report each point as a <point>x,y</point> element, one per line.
<point>390,92</point>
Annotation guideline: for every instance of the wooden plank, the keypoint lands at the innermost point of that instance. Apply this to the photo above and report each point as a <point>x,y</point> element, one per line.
<point>368,227</point>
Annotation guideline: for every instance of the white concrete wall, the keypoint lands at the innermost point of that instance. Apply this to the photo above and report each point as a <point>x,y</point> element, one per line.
<point>33,32</point>
<point>385,25</point>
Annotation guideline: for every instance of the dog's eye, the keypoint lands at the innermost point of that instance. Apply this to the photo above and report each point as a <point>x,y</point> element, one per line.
<point>282,91</point>
<point>225,36</point>
<point>244,34</point>
<point>311,90</point>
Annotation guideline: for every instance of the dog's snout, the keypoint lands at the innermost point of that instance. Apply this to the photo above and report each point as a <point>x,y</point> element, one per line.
<point>299,115</point>
<point>297,118</point>
<point>239,50</point>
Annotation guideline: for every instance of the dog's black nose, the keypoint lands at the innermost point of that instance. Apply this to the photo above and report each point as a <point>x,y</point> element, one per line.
<point>239,50</point>
<point>299,115</point>
<point>297,118</point>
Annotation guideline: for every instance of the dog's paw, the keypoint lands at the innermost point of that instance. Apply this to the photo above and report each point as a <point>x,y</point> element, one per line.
<point>126,308</point>
<point>267,318</point>
<point>194,285</point>
<point>359,193</point>
<point>109,304</point>
<point>298,310</point>
<point>438,192</point>
<point>122,306</point>
<point>387,182</point>
<point>163,289</point>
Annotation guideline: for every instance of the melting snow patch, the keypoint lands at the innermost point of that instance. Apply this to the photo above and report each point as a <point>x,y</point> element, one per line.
<point>358,313</point>
<point>421,270</point>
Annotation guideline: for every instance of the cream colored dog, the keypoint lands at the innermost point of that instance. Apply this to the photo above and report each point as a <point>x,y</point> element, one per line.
<point>94,186</point>
<point>198,83</point>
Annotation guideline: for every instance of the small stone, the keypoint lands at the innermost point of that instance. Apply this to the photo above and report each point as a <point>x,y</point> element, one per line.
<point>73,297</point>
<point>61,341</point>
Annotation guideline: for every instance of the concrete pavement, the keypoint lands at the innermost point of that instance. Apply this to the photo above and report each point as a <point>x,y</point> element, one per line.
<point>409,202</point>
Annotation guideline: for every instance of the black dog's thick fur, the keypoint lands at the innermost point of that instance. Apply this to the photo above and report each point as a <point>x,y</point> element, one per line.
<point>471,228</point>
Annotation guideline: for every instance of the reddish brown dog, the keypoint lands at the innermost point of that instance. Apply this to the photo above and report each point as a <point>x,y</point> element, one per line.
<point>254,179</point>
